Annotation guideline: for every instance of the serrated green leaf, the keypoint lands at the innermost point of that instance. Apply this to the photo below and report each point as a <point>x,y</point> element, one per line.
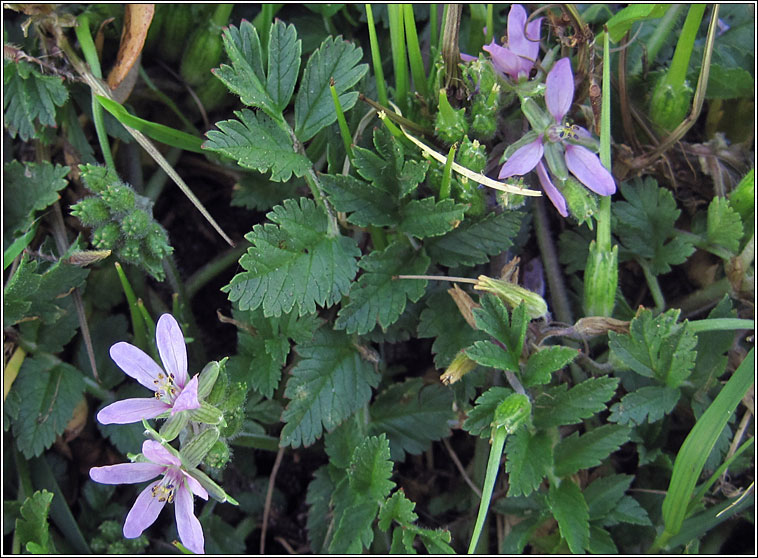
<point>354,529</point>
<point>601,542</point>
<point>474,241</point>
<point>559,405</point>
<point>371,468</point>
<point>442,319</point>
<point>570,511</point>
<point>487,353</point>
<point>28,188</point>
<point>397,508</point>
<point>424,218</point>
<point>257,142</point>
<point>648,403</point>
<point>320,491</point>
<point>603,494</point>
<point>284,50</point>
<point>29,98</point>
<point>50,391</point>
<point>629,511</point>
<point>379,298</point>
<point>245,76</point>
<point>479,419</point>
<point>53,337</point>
<point>729,83</point>
<point>622,20</point>
<point>330,382</point>
<point>542,364</point>
<point>588,450</point>
<point>336,60</point>
<point>411,417</point>
<point>32,527</point>
<point>293,263</point>
<point>256,192</point>
<point>724,225</point>
<point>646,225</point>
<point>341,442</point>
<point>366,204</point>
<point>436,541</point>
<point>657,347</point>
<point>402,541</point>
<point>529,458</point>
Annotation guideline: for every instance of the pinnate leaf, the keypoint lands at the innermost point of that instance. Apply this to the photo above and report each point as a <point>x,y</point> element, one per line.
<point>542,364</point>
<point>559,405</point>
<point>335,59</point>
<point>257,142</point>
<point>529,457</point>
<point>724,224</point>
<point>588,450</point>
<point>284,50</point>
<point>487,353</point>
<point>397,508</point>
<point>424,218</point>
<point>649,403</point>
<point>330,382</point>
<point>293,263</point>
<point>604,493</point>
<point>570,511</point>
<point>28,188</point>
<point>32,527</point>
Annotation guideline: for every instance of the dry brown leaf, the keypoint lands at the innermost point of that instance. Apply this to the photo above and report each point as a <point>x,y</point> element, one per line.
<point>137,18</point>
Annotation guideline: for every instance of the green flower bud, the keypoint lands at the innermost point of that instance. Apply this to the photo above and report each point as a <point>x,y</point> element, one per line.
<point>207,414</point>
<point>556,161</point>
<point>484,125</point>
<point>156,241</point>
<point>110,530</point>
<point>670,104</point>
<point>131,250</point>
<point>220,386</point>
<point>193,452</point>
<point>472,155</point>
<point>208,377</point>
<point>174,425</point>
<point>219,455</point>
<point>236,396</point>
<point>117,547</point>
<point>513,295</point>
<point>97,178</point>
<point>136,224</point>
<point>213,489</point>
<point>451,124</point>
<point>234,419</point>
<point>119,197</point>
<point>514,411</point>
<point>600,281</point>
<point>98,545</point>
<point>460,366</point>
<point>470,194</point>
<point>581,202</point>
<point>105,237</point>
<point>91,211</point>
<point>537,117</point>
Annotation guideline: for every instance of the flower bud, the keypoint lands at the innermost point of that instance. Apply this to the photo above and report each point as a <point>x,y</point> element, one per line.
<point>513,295</point>
<point>556,161</point>
<point>208,378</point>
<point>472,155</point>
<point>460,366</point>
<point>513,412</point>
<point>131,250</point>
<point>156,241</point>
<point>207,414</point>
<point>537,117</point>
<point>451,124</point>
<point>670,104</point>
<point>136,224</point>
<point>97,178</point>
<point>193,452</point>
<point>91,211</point>
<point>174,425</point>
<point>219,455</point>
<point>600,281</point>
<point>484,125</point>
<point>119,197</point>
<point>105,237</point>
<point>233,422</point>
<point>581,202</point>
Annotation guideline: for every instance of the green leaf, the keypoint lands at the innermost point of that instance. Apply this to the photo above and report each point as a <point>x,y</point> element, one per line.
<point>397,508</point>
<point>648,403</point>
<point>293,262</point>
<point>29,98</point>
<point>330,382</point>
<point>245,76</point>
<point>628,510</point>
<point>601,542</point>
<point>581,452</point>
<point>475,241</point>
<point>542,364</point>
<point>256,192</point>
<point>314,108</point>
<point>492,317</point>
<point>424,218</point>
<point>529,458</point>
<point>646,225</point>
<point>442,319</point>
<point>724,225</point>
<point>284,50</point>
<point>487,353</point>
<point>412,416</point>
<point>571,513</point>
<point>50,391</point>
<point>479,419</point>
<point>32,527</point>
<point>729,83</point>
<point>257,142</point>
<point>603,494</point>
<point>559,405</point>
<point>28,188</point>
<point>623,20</point>
<point>366,204</point>
<point>320,491</point>
<point>379,298</point>
<point>657,347</point>
<point>341,442</point>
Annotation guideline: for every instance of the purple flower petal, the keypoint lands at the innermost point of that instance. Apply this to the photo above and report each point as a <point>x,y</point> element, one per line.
<point>519,43</point>
<point>523,160</point>
<point>135,363</point>
<point>188,526</point>
<point>125,473</point>
<point>187,399</point>
<point>467,57</point>
<point>552,193</point>
<point>132,410</point>
<point>196,488</point>
<point>559,89</point>
<point>156,453</point>
<point>144,512</point>
<point>504,60</point>
<point>173,351</point>
<point>586,166</point>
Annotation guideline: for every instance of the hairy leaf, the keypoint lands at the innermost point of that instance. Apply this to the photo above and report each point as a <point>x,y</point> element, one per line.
<point>571,513</point>
<point>559,405</point>
<point>28,188</point>
<point>257,142</point>
<point>412,416</point>
<point>379,298</point>
<point>424,218</point>
<point>581,452</point>
<point>529,458</point>
<point>293,263</point>
<point>330,382</point>
<point>283,63</point>
<point>336,60</point>
<point>648,403</point>
<point>493,318</point>
<point>366,204</point>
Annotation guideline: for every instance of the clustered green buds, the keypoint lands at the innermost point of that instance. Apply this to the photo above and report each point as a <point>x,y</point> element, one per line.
<point>110,540</point>
<point>473,156</point>
<point>122,221</point>
<point>451,124</point>
<point>486,98</point>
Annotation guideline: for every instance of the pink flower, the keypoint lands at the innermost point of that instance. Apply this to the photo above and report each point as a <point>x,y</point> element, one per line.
<point>172,390</point>
<point>583,163</point>
<point>176,486</point>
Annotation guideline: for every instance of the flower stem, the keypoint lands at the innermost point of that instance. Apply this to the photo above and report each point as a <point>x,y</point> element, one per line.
<point>376,57</point>
<point>447,173</point>
<point>655,288</point>
<point>347,139</point>
<point>493,464</point>
<point>414,51</point>
<point>681,60</point>
<point>399,59</point>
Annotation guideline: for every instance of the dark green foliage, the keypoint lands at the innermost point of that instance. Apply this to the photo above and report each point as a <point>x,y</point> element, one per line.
<point>28,188</point>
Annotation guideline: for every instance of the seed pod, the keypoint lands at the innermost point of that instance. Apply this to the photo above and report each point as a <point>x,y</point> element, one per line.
<point>119,197</point>
<point>105,237</point>
<point>136,224</point>
<point>91,211</point>
<point>219,455</point>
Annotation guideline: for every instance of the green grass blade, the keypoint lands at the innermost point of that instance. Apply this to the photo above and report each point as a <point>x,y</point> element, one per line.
<point>18,246</point>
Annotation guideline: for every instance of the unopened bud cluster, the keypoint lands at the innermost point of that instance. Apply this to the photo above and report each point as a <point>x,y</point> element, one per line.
<point>121,220</point>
